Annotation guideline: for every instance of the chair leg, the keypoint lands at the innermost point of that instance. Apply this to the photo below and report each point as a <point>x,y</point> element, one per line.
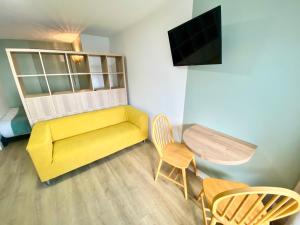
<point>199,196</point>
<point>184,183</point>
<point>195,165</point>
<point>158,169</point>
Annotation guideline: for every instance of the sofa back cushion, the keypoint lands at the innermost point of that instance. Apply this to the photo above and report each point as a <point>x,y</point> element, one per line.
<point>69,126</point>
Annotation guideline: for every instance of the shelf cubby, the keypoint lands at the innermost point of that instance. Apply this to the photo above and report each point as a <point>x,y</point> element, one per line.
<point>34,86</point>
<point>27,63</point>
<point>104,64</point>
<point>82,82</point>
<point>78,63</point>
<point>119,64</point>
<point>117,80</point>
<point>95,64</point>
<point>100,81</point>
<point>55,63</point>
<point>114,64</point>
<point>60,84</point>
<point>111,64</point>
<point>98,64</point>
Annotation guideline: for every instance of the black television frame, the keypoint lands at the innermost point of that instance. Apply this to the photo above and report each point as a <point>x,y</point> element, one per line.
<point>219,39</point>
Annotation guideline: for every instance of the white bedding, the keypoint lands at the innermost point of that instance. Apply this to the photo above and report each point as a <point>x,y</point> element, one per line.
<point>5,123</point>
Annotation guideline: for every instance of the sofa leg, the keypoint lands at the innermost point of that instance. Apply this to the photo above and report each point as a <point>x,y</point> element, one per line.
<point>48,182</point>
<point>144,141</point>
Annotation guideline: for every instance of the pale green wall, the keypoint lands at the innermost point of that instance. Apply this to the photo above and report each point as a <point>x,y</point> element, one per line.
<point>7,83</point>
<point>254,95</point>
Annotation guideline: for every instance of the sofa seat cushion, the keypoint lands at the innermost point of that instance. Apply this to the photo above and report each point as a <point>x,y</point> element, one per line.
<point>90,146</point>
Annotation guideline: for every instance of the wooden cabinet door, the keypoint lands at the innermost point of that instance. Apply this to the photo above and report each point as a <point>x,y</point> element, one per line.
<point>101,99</point>
<point>65,104</point>
<point>118,97</point>
<point>84,101</point>
<point>40,108</point>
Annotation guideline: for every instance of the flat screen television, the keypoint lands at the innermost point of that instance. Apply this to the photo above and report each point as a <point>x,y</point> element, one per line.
<point>198,41</point>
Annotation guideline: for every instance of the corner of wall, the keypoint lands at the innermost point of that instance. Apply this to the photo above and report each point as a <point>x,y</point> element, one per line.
<point>155,85</point>
<point>94,43</point>
<point>76,44</point>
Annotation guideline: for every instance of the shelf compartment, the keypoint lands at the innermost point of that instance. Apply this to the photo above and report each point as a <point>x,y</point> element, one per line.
<point>98,64</point>
<point>27,63</point>
<point>55,63</point>
<point>34,86</point>
<point>82,82</point>
<point>115,64</point>
<point>119,64</point>
<point>117,80</point>
<point>100,81</point>
<point>60,84</point>
<point>78,63</point>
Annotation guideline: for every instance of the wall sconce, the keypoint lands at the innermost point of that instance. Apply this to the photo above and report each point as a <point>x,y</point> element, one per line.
<point>77,58</point>
<point>77,48</point>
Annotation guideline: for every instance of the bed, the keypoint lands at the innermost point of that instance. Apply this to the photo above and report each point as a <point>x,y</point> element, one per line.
<point>13,124</point>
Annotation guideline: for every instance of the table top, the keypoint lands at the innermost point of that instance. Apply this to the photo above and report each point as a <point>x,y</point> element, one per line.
<point>217,147</point>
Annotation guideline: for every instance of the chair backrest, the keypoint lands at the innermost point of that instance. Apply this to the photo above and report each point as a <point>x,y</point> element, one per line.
<point>255,205</point>
<point>161,132</point>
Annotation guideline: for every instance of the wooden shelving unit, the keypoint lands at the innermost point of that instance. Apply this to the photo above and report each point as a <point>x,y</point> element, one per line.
<point>54,83</point>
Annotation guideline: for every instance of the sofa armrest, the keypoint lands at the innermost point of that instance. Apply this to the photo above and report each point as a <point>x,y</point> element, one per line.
<point>138,118</point>
<point>40,146</point>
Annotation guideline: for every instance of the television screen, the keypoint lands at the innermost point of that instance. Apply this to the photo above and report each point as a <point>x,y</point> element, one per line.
<point>198,41</point>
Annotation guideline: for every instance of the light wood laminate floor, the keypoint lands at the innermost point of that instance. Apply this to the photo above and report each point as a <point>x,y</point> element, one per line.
<point>117,190</point>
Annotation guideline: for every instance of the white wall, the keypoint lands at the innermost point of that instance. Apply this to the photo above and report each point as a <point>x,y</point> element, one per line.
<point>154,84</point>
<point>3,105</point>
<point>91,43</point>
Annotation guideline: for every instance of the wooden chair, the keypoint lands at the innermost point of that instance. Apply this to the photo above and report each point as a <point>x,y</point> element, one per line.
<point>175,154</point>
<point>233,203</point>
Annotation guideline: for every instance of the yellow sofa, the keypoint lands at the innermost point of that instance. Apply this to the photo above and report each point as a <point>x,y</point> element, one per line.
<point>60,145</point>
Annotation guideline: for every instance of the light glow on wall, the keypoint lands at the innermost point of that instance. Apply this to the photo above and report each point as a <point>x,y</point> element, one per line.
<point>66,37</point>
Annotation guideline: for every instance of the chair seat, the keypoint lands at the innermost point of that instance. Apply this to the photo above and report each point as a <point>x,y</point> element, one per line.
<point>177,155</point>
<point>212,187</point>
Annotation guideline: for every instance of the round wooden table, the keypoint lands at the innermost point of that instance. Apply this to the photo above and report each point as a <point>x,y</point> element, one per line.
<point>217,147</point>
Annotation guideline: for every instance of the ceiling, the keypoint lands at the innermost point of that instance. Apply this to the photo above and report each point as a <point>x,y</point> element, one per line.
<point>63,20</point>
